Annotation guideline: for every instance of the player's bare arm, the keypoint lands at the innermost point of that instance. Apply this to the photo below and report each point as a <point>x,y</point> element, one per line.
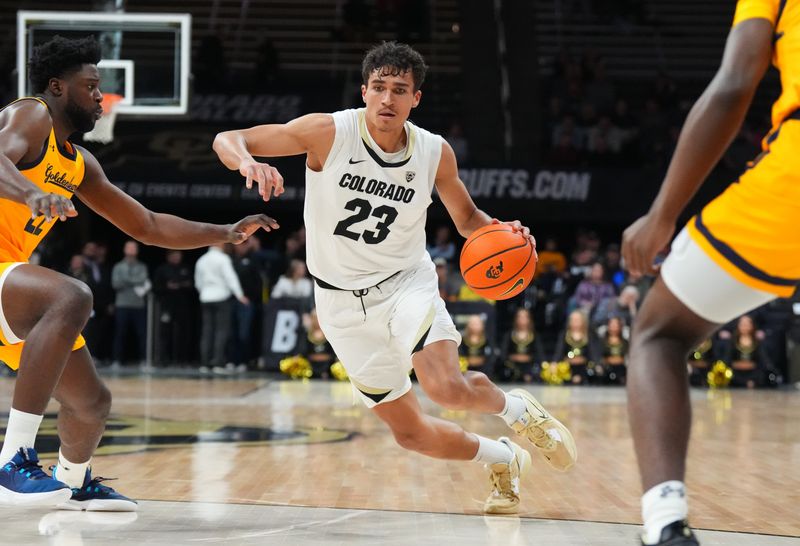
<point>153,228</point>
<point>710,127</point>
<point>26,126</point>
<point>311,134</point>
<point>466,216</point>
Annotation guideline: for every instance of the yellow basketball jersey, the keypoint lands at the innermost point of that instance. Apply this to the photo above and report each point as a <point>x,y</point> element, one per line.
<point>57,170</point>
<point>751,230</point>
<point>785,18</point>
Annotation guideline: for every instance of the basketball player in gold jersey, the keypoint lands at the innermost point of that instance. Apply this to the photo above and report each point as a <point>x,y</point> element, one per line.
<point>740,252</point>
<point>42,312</point>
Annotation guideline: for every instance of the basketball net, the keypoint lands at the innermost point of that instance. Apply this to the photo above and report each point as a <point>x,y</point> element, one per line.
<point>103,131</point>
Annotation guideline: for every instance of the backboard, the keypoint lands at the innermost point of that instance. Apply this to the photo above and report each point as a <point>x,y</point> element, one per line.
<point>146,56</point>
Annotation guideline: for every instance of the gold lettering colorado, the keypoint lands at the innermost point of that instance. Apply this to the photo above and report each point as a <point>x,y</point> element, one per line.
<point>59,179</point>
<point>392,192</point>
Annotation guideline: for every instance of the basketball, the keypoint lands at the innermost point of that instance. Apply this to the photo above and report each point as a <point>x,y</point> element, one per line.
<point>497,263</point>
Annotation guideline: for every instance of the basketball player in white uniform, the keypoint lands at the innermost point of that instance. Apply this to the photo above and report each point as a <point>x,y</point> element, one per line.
<point>369,177</point>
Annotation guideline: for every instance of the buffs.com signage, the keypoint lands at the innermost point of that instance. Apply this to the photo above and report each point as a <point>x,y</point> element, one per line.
<point>524,184</point>
<point>596,195</point>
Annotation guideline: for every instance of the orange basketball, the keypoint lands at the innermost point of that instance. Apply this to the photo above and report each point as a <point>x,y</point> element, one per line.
<point>497,263</point>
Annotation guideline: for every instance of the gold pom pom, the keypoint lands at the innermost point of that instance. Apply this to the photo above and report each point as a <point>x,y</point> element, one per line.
<point>720,375</point>
<point>463,363</point>
<point>296,367</point>
<point>556,373</point>
<point>338,371</point>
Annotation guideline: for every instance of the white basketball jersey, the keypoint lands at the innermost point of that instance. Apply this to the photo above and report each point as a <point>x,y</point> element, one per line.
<point>365,211</point>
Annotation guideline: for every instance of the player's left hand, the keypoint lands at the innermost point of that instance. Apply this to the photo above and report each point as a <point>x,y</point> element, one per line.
<point>270,181</point>
<point>517,226</point>
<point>244,228</point>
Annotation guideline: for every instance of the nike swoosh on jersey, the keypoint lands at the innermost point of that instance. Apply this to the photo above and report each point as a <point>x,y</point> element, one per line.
<point>354,162</point>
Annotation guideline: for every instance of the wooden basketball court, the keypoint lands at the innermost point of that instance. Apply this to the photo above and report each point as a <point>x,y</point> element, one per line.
<point>251,461</point>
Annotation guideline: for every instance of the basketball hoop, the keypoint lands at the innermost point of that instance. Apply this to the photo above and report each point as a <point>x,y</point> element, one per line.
<point>103,131</point>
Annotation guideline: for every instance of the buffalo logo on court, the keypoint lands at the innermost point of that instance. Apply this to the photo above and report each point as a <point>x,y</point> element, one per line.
<point>130,434</point>
<point>410,176</point>
<point>494,271</point>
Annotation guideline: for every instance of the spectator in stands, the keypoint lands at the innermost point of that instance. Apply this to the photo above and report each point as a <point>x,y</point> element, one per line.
<point>641,282</point>
<point>586,120</point>
<point>577,346</point>
<point>455,138</point>
<point>552,117</point>
<point>216,281</point>
<point>551,259</point>
<point>588,239</point>
<point>249,271</point>
<point>606,132</point>
<point>443,245</point>
<point>316,348</point>
<point>654,135</point>
<point>613,352</point>
<point>628,128</point>
<point>131,281</point>
<point>296,245</point>
<point>521,349</point>
<point>567,135</point>
<point>582,262</point>
<point>77,269</point>
<point>623,307</point>
<point>775,318</point>
<point>99,330</point>
<point>601,155</point>
<point>593,289</point>
<point>475,346</point>
<point>173,287</point>
<point>564,153</point>
<point>612,261</point>
<point>295,284</point>
<point>746,354</point>
<point>600,92</point>
<point>449,281</point>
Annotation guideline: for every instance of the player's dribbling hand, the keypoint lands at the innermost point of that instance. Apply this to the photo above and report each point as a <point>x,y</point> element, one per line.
<point>51,205</point>
<point>642,241</point>
<point>270,181</point>
<point>244,228</point>
<point>517,226</point>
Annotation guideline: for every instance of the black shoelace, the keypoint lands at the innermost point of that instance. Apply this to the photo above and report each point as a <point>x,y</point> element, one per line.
<point>33,468</point>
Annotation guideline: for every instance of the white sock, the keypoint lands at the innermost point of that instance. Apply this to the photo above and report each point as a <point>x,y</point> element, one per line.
<point>71,474</point>
<point>492,451</point>
<point>662,505</point>
<point>21,432</point>
<point>515,407</point>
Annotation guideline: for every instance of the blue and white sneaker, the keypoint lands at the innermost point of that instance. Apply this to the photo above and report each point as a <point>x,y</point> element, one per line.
<point>93,496</point>
<point>24,483</point>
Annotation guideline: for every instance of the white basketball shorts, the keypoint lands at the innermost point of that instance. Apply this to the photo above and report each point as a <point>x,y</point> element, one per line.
<point>375,342</point>
<point>704,287</point>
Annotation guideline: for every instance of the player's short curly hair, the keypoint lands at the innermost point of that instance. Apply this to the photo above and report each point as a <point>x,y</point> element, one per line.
<point>59,57</point>
<point>393,59</point>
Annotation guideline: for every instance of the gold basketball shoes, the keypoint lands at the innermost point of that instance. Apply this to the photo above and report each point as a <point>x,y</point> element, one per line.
<point>504,498</point>
<point>544,431</point>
